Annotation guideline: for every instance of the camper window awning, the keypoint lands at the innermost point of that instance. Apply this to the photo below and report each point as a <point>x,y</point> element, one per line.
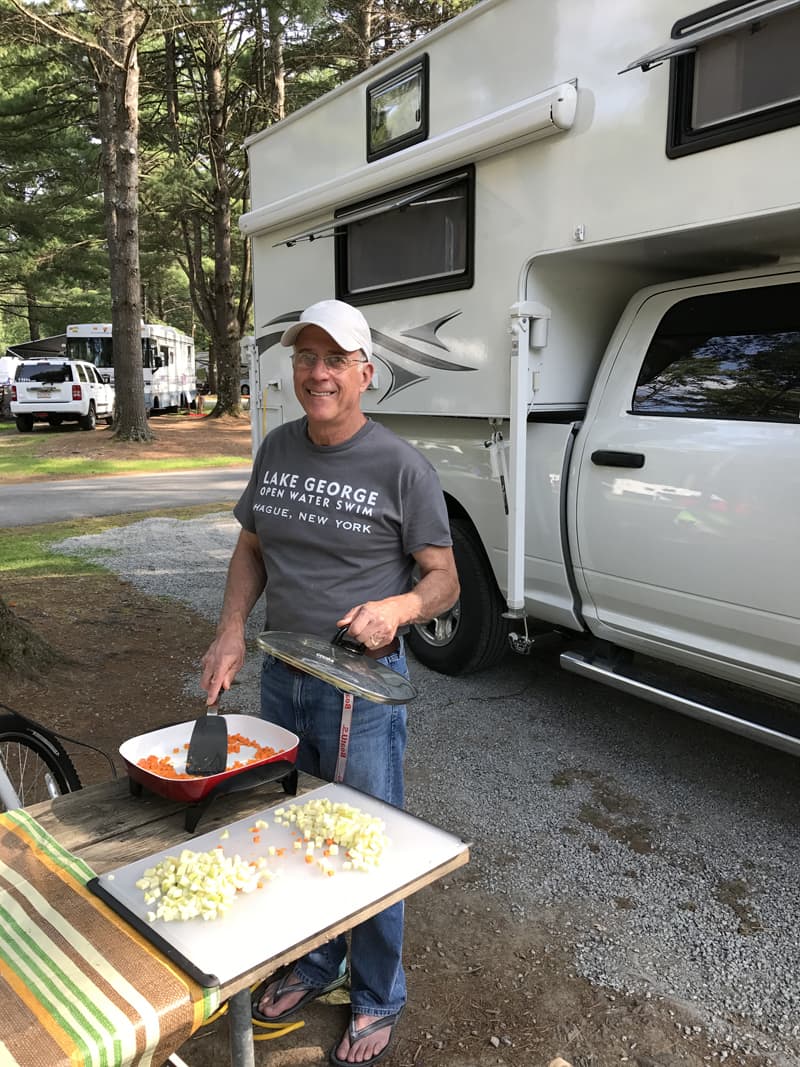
<point>379,208</point>
<point>726,22</point>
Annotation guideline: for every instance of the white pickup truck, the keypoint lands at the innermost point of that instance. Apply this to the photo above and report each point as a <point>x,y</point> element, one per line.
<point>575,236</point>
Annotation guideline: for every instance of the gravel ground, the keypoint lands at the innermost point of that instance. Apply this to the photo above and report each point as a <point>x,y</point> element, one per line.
<point>672,845</point>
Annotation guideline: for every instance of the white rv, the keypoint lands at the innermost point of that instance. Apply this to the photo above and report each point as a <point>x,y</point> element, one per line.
<point>168,361</point>
<point>574,229</point>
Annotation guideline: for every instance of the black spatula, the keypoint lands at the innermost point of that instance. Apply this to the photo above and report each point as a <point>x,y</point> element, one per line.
<point>208,746</point>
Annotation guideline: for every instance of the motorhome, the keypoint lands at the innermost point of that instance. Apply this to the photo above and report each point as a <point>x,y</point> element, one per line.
<point>168,361</point>
<point>574,229</point>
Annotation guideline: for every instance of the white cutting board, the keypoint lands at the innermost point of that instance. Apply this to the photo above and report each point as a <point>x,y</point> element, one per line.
<point>298,903</point>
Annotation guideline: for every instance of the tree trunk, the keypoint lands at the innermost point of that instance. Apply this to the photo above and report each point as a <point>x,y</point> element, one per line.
<point>118,96</point>
<point>363,31</point>
<point>277,85</point>
<point>225,334</point>
<point>34,331</point>
<point>22,650</point>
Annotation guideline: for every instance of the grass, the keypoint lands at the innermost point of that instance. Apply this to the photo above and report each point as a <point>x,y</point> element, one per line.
<point>22,454</point>
<point>26,551</point>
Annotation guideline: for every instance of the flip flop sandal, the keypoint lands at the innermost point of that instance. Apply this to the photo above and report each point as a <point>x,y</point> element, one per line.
<point>356,1035</point>
<point>285,986</point>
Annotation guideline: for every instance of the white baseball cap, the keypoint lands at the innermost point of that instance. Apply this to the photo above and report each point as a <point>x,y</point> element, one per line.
<point>345,324</point>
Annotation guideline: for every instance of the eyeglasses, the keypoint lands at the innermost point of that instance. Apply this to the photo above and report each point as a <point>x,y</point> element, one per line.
<point>335,364</point>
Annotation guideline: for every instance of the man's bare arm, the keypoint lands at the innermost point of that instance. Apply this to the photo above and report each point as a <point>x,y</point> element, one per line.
<point>245,584</point>
<point>375,623</point>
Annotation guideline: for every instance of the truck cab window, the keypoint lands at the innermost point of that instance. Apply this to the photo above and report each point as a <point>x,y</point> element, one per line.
<point>731,355</point>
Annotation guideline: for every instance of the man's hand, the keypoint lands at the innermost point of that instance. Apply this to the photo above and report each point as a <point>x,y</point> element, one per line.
<point>222,662</point>
<point>375,623</point>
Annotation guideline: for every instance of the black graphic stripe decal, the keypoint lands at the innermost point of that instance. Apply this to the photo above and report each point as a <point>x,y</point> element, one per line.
<point>427,332</point>
<point>414,355</point>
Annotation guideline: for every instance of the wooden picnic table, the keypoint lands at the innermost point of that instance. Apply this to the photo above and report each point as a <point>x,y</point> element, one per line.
<point>106,828</point>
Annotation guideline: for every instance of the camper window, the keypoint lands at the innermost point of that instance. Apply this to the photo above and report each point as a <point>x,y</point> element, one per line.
<point>397,109</point>
<point>734,84</point>
<point>422,245</point>
<point>729,355</point>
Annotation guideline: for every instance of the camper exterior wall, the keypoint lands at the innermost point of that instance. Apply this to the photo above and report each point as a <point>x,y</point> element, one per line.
<point>606,180</point>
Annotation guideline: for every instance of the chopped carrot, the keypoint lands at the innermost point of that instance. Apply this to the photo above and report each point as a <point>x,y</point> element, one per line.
<point>309,858</point>
<point>256,838</point>
<point>162,765</point>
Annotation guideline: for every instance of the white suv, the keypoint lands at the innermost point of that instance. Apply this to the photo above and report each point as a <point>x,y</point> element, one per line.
<point>57,390</point>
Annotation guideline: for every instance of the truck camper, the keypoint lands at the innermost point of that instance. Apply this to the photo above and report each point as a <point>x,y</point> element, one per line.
<point>574,229</point>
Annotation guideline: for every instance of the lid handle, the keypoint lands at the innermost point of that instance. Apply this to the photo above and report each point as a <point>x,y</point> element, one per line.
<point>351,646</point>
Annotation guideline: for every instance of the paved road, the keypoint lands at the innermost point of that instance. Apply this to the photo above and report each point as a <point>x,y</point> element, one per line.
<point>30,503</point>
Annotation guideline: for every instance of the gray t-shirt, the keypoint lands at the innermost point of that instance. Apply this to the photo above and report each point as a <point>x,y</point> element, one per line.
<point>337,525</point>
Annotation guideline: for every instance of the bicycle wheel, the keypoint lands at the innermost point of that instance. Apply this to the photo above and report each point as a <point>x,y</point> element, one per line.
<point>37,765</point>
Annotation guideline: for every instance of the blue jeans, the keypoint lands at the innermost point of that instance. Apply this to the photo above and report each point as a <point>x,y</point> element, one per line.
<point>312,709</point>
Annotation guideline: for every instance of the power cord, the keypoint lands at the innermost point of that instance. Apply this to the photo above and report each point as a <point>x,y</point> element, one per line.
<point>269,1031</point>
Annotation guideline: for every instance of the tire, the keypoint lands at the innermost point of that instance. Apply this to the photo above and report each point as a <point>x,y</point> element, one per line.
<point>24,423</point>
<point>55,420</point>
<point>473,635</point>
<point>245,390</point>
<point>35,761</point>
<point>89,420</point>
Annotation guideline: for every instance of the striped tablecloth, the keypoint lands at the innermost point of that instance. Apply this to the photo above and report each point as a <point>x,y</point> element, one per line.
<point>78,986</point>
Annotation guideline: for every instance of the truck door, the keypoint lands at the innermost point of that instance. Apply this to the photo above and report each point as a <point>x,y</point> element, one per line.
<point>687,507</point>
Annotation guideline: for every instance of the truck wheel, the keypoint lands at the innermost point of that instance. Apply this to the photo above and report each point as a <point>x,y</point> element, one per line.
<point>24,423</point>
<point>55,420</point>
<point>89,420</point>
<point>472,635</point>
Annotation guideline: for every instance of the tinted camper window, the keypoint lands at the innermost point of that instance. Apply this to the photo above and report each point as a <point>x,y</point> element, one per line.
<point>737,84</point>
<point>397,109</point>
<point>417,240</point>
<point>733,355</point>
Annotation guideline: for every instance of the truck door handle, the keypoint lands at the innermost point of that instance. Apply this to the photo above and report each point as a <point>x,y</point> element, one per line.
<point>604,458</point>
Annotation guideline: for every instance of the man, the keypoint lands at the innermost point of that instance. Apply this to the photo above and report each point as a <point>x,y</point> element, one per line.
<point>337,512</point>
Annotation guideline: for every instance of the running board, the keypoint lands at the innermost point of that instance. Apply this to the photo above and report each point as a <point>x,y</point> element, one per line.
<point>601,672</point>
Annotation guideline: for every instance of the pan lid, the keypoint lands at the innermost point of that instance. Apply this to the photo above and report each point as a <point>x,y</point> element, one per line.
<point>339,662</point>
